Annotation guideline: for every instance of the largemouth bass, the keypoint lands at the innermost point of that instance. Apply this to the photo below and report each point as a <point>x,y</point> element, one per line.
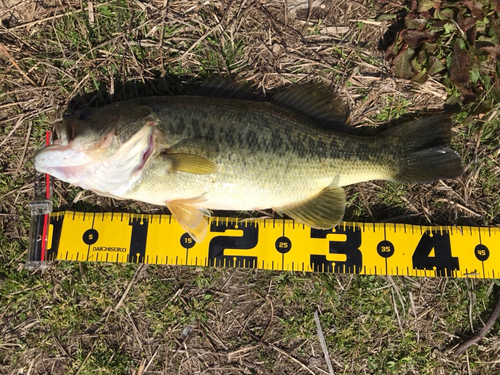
<point>200,153</point>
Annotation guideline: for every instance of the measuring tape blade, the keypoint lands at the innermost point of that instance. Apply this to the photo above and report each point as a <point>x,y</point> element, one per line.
<point>278,244</point>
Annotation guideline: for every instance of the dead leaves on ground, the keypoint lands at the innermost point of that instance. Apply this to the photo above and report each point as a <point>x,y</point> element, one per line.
<point>460,40</point>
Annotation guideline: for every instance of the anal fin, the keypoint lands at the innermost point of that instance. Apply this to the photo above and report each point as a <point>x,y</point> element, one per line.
<point>322,211</point>
<point>190,217</point>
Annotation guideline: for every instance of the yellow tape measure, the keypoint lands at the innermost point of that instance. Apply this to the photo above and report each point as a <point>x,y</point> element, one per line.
<point>277,244</point>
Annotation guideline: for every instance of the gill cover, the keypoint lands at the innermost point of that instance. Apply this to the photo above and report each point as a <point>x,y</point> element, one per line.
<point>101,149</point>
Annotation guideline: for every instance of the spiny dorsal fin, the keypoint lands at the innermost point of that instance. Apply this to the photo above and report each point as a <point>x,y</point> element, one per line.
<point>319,102</point>
<point>224,88</point>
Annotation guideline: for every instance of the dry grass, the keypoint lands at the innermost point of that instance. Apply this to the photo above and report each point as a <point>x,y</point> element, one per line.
<point>56,56</point>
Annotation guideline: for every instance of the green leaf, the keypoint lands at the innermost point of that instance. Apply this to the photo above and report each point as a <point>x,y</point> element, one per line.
<point>387,17</point>
<point>435,65</point>
<point>449,28</point>
<point>421,76</point>
<point>417,67</point>
<point>474,74</point>
<point>495,31</point>
<point>402,63</point>
<point>424,5</point>
<point>444,14</point>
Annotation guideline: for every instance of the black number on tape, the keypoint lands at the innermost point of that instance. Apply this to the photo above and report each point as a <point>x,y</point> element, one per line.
<point>90,237</point>
<point>442,262</point>
<point>187,242</point>
<point>283,245</point>
<point>385,249</point>
<point>138,239</point>
<point>482,252</point>
<point>349,247</point>
<point>216,256</point>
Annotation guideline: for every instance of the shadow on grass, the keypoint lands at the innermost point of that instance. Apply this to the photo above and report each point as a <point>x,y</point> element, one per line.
<point>169,84</point>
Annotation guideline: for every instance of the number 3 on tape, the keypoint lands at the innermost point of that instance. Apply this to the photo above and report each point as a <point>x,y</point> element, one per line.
<point>352,261</point>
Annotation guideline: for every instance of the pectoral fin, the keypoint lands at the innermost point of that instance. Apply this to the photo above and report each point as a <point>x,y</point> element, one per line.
<point>201,146</point>
<point>191,164</point>
<point>190,217</point>
<point>323,211</point>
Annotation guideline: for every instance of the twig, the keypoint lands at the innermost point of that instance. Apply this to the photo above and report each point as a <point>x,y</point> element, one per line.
<point>4,51</point>
<point>462,348</point>
<point>86,358</point>
<point>397,314</point>
<point>323,343</point>
<point>91,12</point>
<point>14,128</point>
<point>292,358</point>
<point>29,24</point>
<point>465,208</point>
<point>28,133</point>
<point>365,202</point>
<point>270,319</point>
<point>134,278</point>
<point>151,360</point>
<point>396,289</point>
<point>195,44</point>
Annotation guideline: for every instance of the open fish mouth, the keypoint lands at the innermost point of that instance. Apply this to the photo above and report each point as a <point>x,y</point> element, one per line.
<point>107,166</point>
<point>146,154</point>
<point>57,154</point>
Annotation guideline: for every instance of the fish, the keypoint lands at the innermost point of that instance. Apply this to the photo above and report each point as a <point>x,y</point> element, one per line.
<point>223,150</point>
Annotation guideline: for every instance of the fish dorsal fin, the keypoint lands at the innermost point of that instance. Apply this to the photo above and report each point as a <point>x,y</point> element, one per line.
<point>225,88</point>
<point>319,102</point>
<point>322,211</point>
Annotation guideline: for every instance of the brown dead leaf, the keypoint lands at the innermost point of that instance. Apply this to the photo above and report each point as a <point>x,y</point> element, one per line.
<point>415,38</point>
<point>494,51</point>
<point>475,7</point>
<point>495,5</point>
<point>424,5</point>
<point>465,23</point>
<point>402,63</point>
<point>495,30</point>
<point>460,63</point>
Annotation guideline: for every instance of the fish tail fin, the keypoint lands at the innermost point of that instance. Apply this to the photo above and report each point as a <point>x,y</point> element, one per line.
<point>427,156</point>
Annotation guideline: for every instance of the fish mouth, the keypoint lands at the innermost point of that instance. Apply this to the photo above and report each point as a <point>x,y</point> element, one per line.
<point>146,154</point>
<point>104,167</point>
<point>60,161</point>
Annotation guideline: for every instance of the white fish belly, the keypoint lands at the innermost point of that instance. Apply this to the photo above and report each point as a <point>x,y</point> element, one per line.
<point>226,191</point>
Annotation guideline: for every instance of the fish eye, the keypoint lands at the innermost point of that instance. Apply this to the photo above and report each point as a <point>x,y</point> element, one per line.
<point>85,114</point>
